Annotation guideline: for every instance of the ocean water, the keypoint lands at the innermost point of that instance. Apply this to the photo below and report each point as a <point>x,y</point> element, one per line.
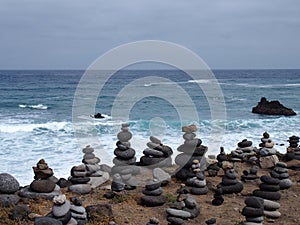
<point>37,114</point>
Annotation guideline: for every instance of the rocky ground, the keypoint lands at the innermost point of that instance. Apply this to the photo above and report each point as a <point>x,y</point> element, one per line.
<point>127,208</point>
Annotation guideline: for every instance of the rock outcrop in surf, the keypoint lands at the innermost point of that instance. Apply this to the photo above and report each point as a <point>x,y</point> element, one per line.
<point>272,108</point>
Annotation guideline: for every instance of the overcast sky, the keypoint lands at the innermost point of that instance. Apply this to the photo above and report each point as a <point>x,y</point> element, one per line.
<point>71,34</point>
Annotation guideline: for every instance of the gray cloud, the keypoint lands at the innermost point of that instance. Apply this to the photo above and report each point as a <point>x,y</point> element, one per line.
<point>226,34</point>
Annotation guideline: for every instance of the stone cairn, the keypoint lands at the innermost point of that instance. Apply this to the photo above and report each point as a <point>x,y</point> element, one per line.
<point>293,151</point>
<point>198,181</point>
<point>264,139</point>
<point>156,154</point>
<point>191,149</point>
<point>269,192</point>
<point>213,166</point>
<point>281,172</point>
<point>244,152</point>
<point>218,198</point>
<point>183,209</point>
<point>8,187</point>
<point>88,175</point>
<point>61,210</point>
<point>78,212</point>
<point>125,162</point>
<point>254,210</point>
<point>251,174</point>
<point>230,184</point>
<point>153,194</point>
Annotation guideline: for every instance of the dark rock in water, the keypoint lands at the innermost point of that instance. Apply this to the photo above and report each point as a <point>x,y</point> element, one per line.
<point>46,221</point>
<point>42,186</point>
<point>7,200</point>
<point>19,212</point>
<point>8,184</point>
<point>272,108</point>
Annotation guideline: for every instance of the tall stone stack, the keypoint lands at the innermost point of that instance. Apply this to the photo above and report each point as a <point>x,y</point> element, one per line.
<point>8,188</point>
<point>125,161</point>
<point>156,154</point>
<point>269,191</point>
<point>230,183</point>
<point>61,210</point>
<point>267,152</point>
<point>244,152</point>
<point>264,139</point>
<point>191,149</point>
<point>281,172</point>
<point>78,212</point>
<point>254,210</point>
<point>183,209</point>
<point>293,151</point>
<point>88,175</point>
<point>153,194</point>
<point>198,181</point>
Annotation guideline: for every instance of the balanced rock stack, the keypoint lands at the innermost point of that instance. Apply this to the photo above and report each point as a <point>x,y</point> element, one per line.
<point>218,198</point>
<point>156,154</point>
<point>78,212</point>
<point>8,187</point>
<point>213,166</point>
<point>230,184</point>
<point>183,209</point>
<point>198,181</point>
<point>244,152</point>
<point>221,157</point>
<point>264,139</point>
<point>267,152</point>
<point>254,211</point>
<point>125,160</point>
<point>88,175</point>
<point>269,191</point>
<point>61,210</point>
<point>191,149</point>
<point>281,172</point>
<point>293,151</point>
<point>250,175</point>
<point>153,194</point>
<point>44,184</point>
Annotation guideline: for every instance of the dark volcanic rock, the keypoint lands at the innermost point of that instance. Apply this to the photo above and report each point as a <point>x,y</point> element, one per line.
<point>272,108</point>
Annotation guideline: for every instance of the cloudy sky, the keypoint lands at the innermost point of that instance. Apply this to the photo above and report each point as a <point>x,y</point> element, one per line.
<point>71,34</point>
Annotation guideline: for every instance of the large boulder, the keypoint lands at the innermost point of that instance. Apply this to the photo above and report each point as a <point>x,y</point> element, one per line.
<point>272,108</point>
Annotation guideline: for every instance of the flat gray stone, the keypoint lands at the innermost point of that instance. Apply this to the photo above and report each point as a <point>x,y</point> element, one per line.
<point>77,209</point>
<point>124,136</point>
<point>80,188</point>
<point>61,210</point>
<point>97,181</point>
<point>179,213</point>
<point>92,168</point>
<point>161,175</point>
<point>153,152</point>
<point>46,221</point>
<point>7,200</point>
<point>155,140</point>
<point>27,193</point>
<point>8,184</point>
<point>272,214</point>
<point>271,205</point>
<point>285,184</point>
